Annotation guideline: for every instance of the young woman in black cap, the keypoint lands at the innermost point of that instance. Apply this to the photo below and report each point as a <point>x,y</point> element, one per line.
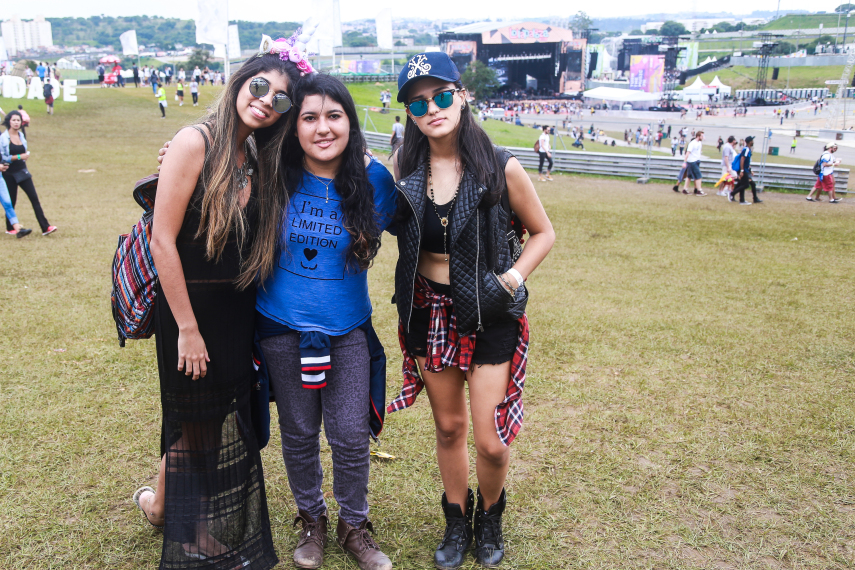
<point>460,293</point>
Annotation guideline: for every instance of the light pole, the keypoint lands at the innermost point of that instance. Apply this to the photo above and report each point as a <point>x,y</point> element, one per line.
<point>846,29</point>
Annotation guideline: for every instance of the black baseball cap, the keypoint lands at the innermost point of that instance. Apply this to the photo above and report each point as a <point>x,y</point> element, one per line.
<point>431,64</point>
<point>749,139</point>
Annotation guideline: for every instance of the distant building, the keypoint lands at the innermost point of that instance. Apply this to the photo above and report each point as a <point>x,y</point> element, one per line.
<point>21,35</point>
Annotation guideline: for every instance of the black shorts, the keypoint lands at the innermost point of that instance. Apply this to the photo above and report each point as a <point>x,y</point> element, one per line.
<point>495,345</point>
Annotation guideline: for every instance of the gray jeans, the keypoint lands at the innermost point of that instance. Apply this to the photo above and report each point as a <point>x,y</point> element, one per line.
<point>343,407</point>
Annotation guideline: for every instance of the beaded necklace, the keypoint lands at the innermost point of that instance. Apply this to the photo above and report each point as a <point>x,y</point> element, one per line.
<point>443,220</point>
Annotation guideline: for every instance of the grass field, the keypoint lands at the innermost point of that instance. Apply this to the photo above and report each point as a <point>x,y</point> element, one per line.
<point>739,77</point>
<point>688,405</point>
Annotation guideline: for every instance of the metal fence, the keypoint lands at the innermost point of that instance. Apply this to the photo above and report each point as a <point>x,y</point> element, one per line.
<point>783,176</point>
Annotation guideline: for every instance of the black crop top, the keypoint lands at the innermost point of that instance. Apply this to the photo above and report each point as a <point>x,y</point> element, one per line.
<point>15,150</point>
<point>432,237</point>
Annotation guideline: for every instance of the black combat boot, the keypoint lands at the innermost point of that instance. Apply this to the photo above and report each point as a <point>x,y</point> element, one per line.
<point>489,542</point>
<point>458,533</point>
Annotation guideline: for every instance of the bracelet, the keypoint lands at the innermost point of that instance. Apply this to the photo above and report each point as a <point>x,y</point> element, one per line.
<point>19,157</point>
<point>516,275</point>
<point>512,292</point>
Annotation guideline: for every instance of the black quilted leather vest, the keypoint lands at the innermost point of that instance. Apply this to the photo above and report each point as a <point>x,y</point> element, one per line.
<point>478,252</point>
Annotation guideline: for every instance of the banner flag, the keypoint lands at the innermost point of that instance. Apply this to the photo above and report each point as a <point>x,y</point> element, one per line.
<point>337,40</point>
<point>234,42</point>
<point>129,43</point>
<point>212,25</point>
<point>383,22</point>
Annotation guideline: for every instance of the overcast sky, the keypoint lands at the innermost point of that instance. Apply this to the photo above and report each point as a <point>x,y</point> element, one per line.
<point>285,10</point>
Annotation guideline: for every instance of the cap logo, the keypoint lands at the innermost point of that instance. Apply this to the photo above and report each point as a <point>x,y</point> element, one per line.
<point>418,66</point>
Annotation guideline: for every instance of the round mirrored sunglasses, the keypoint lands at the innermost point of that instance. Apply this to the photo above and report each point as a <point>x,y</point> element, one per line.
<point>259,87</point>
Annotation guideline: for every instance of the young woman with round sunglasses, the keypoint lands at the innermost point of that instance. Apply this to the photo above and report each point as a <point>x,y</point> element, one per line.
<point>316,339</point>
<point>215,228</point>
<point>461,296</point>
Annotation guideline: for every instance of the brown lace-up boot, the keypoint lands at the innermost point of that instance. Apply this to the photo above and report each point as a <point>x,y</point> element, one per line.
<point>361,546</point>
<point>313,539</point>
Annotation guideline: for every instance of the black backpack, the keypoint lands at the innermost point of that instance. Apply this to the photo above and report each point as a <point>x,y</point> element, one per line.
<point>817,167</point>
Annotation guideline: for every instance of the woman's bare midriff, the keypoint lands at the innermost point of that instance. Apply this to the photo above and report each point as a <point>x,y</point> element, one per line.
<point>434,267</point>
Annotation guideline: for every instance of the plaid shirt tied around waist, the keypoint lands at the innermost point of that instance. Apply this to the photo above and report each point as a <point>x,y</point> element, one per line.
<point>447,348</point>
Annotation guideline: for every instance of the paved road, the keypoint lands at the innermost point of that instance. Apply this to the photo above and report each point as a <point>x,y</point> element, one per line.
<point>721,126</point>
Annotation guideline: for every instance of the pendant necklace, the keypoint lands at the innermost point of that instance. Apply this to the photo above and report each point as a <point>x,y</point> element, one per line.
<point>443,220</point>
<point>325,184</point>
<point>246,170</point>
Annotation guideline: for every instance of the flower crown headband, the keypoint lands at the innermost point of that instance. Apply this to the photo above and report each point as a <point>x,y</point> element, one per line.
<point>293,49</point>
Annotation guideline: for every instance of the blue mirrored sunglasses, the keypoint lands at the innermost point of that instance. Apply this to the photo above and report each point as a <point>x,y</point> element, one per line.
<point>443,100</point>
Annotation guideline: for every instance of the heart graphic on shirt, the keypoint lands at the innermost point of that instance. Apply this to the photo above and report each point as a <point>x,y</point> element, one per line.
<point>310,253</point>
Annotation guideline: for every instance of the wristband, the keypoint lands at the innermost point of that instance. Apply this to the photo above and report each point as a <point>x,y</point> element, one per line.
<point>19,157</point>
<point>516,275</point>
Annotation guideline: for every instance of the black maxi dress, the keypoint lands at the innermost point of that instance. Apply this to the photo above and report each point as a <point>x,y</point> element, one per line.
<point>214,479</point>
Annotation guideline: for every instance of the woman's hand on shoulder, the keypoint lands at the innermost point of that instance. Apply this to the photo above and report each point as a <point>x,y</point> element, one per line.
<point>161,153</point>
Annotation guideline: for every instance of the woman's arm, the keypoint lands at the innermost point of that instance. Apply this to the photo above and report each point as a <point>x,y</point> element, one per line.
<point>525,202</point>
<point>178,176</point>
<point>395,167</point>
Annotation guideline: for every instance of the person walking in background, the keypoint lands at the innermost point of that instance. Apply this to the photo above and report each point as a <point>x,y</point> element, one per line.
<point>825,179</point>
<point>675,141</point>
<point>161,101</point>
<point>728,153</point>
<point>719,144</point>
<point>17,230</point>
<point>397,136</point>
<point>194,90</point>
<point>100,70</point>
<point>136,71</point>
<point>545,154</point>
<point>742,166</point>
<point>25,119</point>
<point>793,146</point>
<point>14,151</point>
<point>48,93</point>
<point>120,81</point>
<point>179,92</point>
<point>182,75</point>
<point>154,80</point>
<point>693,164</point>
<point>41,70</point>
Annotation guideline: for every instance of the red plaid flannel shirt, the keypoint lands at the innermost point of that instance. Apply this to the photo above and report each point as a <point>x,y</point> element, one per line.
<point>447,348</point>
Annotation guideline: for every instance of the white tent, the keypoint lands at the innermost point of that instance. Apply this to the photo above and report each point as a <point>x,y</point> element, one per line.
<point>617,94</point>
<point>63,63</point>
<point>697,91</point>
<point>722,88</point>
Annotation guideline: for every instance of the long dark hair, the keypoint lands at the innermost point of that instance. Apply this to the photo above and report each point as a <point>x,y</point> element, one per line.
<point>7,122</point>
<point>221,209</point>
<point>351,181</point>
<point>474,147</point>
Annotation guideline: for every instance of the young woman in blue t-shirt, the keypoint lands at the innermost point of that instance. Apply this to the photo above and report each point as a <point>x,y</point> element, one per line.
<point>314,315</point>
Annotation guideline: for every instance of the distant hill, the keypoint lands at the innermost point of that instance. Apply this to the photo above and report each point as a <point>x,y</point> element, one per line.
<point>805,21</point>
<point>164,32</point>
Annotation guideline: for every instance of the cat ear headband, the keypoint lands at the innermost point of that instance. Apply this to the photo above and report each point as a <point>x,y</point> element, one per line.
<point>293,49</point>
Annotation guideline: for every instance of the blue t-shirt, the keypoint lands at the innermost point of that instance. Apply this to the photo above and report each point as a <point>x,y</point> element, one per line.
<point>312,287</point>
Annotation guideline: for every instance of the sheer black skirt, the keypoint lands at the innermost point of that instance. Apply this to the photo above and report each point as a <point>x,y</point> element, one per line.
<point>216,507</point>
